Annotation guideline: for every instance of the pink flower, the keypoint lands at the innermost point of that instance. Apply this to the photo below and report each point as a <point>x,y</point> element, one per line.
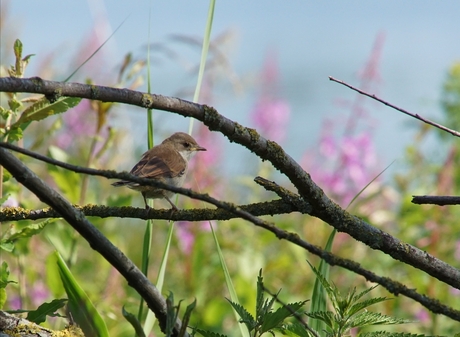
<point>271,113</point>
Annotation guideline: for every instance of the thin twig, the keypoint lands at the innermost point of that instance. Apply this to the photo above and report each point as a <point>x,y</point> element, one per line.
<point>436,200</point>
<point>416,116</point>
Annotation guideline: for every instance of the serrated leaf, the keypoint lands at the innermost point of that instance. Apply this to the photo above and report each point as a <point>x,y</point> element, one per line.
<point>325,316</point>
<point>274,319</point>
<point>372,318</point>
<point>186,318</point>
<point>43,108</point>
<point>296,329</point>
<point>132,319</point>
<point>260,293</point>
<point>355,308</point>
<point>46,309</point>
<point>29,231</point>
<point>171,314</point>
<point>390,334</point>
<point>207,333</point>
<point>83,311</point>
<point>245,316</point>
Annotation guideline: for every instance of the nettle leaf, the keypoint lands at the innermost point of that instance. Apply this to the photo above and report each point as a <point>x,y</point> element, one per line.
<point>295,329</point>
<point>373,318</point>
<point>246,317</point>
<point>46,309</point>
<point>274,319</point>
<point>207,333</point>
<point>390,334</point>
<point>325,316</point>
<point>43,108</point>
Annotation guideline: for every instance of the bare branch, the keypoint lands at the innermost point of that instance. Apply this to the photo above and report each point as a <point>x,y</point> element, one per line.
<point>435,200</point>
<point>416,116</point>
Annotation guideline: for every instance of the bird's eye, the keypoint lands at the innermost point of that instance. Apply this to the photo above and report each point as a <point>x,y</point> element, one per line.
<point>186,145</point>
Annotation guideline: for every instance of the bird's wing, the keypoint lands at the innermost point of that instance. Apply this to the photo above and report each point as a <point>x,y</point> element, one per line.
<point>160,161</point>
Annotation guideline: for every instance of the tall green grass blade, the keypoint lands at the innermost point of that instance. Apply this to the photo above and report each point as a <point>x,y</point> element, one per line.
<point>228,282</point>
<point>83,311</point>
<point>150,320</point>
<point>204,55</point>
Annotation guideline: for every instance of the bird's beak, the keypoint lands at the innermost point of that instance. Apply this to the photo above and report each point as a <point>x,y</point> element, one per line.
<point>199,148</point>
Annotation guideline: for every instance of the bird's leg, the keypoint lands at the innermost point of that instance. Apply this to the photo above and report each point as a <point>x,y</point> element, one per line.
<point>173,206</point>
<point>145,201</point>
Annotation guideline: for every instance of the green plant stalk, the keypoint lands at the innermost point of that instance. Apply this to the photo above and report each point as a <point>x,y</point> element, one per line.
<point>150,320</point>
<point>204,55</point>
<point>228,281</point>
<point>147,243</point>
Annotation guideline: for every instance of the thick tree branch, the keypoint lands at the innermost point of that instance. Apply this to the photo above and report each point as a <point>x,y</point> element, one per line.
<point>322,206</point>
<point>95,238</point>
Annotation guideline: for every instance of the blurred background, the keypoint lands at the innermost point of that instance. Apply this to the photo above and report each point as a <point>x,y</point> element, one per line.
<point>306,41</point>
<point>268,68</point>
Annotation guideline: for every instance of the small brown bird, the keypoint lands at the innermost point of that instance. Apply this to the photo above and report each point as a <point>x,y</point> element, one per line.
<point>167,163</point>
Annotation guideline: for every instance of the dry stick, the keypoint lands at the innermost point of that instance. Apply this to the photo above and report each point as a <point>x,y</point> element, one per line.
<point>435,200</point>
<point>416,116</point>
<point>420,200</point>
<point>95,238</point>
<point>322,207</point>
<point>289,197</point>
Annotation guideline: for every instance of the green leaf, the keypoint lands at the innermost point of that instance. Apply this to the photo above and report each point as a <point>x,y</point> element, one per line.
<point>83,311</point>
<point>245,316</point>
<point>296,329</point>
<point>132,319</point>
<point>171,314</point>
<point>14,134</point>
<point>186,318</point>
<point>274,319</point>
<point>29,231</point>
<point>46,309</point>
<point>325,316</point>
<point>43,108</point>
<point>68,182</point>
<point>14,104</point>
<point>318,298</point>
<point>4,274</point>
<point>390,334</point>
<point>207,333</point>
<point>367,318</point>
<point>6,246</point>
